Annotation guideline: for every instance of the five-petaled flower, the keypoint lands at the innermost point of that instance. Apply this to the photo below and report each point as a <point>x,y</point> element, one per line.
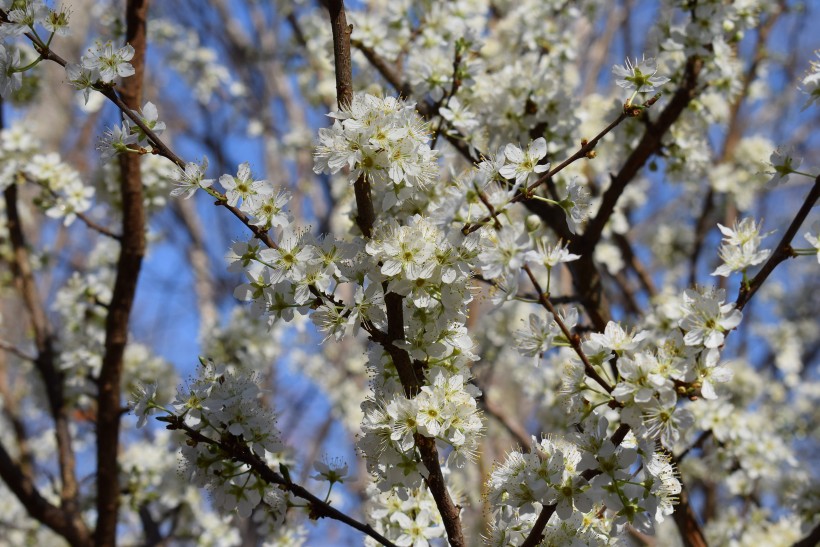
<point>638,76</point>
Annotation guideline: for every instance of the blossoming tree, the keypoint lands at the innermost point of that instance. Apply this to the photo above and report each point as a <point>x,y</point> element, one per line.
<point>499,272</point>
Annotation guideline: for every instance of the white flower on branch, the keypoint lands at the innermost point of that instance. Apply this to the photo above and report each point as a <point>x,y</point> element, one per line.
<point>243,187</point>
<point>116,140</point>
<point>191,179</point>
<point>11,79</point>
<point>740,247</point>
<point>639,76</point>
<point>521,163</point>
<point>111,63</point>
<point>706,318</point>
<point>784,162</point>
<point>82,78</point>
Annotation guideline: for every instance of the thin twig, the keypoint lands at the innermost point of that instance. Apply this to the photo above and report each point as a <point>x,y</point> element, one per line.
<point>240,452</point>
<point>783,250</point>
<point>573,339</point>
<point>525,194</point>
<point>14,350</point>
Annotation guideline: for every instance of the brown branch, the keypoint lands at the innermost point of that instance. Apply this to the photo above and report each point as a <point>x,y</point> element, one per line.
<point>383,67</point>
<point>632,260</point>
<point>14,350</point>
<point>341,51</point>
<point>37,506</point>
<point>44,362</point>
<point>649,144</point>
<point>687,521</point>
<point>410,373</point>
<point>702,438</point>
<point>96,226</point>
<point>783,249</point>
<point>240,452</point>
<point>122,299</point>
<point>811,540</point>
<point>537,533</point>
<point>573,339</point>
<point>514,428</point>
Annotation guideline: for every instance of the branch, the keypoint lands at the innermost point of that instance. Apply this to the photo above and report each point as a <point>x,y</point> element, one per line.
<point>514,428</point>
<point>425,110</point>
<point>82,216</point>
<point>14,350</point>
<point>62,522</point>
<point>649,144</point>
<point>632,260</point>
<point>410,373</point>
<point>240,452</point>
<point>537,532</point>
<point>687,522</point>
<point>122,299</point>
<point>783,250</point>
<point>573,339</point>
<point>51,377</point>
<point>810,540</point>
<point>525,194</point>
<point>162,149</point>
<point>341,51</point>
<point>383,67</point>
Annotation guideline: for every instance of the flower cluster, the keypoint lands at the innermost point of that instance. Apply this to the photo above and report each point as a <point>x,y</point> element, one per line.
<point>588,479</point>
<point>741,247</point>
<point>707,318</point>
<point>405,516</point>
<point>652,368</point>
<point>63,195</point>
<point>109,62</point>
<point>223,410</point>
<point>445,410</point>
<point>383,141</point>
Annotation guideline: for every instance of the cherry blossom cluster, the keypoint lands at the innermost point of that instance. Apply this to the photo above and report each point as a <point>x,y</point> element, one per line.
<point>444,410</point>
<point>102,64</point>
<point>444,231</point>
<point>222,407</point>
<point>408,515</point>
<point>63,193</point>
<point>741,247</point>
<point>587,479</point>
<point>384,141</point>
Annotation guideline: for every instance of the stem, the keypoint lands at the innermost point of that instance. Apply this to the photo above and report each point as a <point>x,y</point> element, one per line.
<point>783,250</point>
<point>125,286</point>
<point>318,508</point>
<point>574,340</point>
